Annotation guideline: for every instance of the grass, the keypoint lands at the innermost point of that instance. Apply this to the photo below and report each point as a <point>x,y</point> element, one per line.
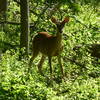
<point>17,84</point>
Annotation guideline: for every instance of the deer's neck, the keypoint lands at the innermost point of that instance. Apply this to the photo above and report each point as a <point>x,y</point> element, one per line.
<point>59,37</point>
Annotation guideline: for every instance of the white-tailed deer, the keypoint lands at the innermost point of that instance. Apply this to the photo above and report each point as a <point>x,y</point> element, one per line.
<point>49,45</point>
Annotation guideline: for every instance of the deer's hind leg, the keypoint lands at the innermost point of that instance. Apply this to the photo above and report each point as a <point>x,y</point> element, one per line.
<point>34,55</point>
<point>41,63</point>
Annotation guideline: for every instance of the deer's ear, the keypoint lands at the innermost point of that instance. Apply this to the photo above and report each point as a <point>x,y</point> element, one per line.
<point>66,20</point>
<point>53,19</point>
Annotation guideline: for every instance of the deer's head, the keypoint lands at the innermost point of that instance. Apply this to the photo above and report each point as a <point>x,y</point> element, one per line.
<point>60,24</point>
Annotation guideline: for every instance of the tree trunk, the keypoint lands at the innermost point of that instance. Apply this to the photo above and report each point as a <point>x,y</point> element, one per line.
<point>3,15</point>
<point>3,6</point>
<point>24,37</point>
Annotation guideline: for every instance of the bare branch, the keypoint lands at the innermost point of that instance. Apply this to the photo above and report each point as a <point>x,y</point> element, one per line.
<point>17,2</point>
<point>9,22</point>
<point>74,61</point>
<point>13,23</point>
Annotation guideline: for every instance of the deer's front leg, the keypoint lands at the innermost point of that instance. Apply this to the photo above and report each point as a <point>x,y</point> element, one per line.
<point>41,63</point>
<point>60,63</point>
<point>50,65</point>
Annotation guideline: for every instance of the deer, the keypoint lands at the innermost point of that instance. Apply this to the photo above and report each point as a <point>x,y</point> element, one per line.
<point>49,45</point>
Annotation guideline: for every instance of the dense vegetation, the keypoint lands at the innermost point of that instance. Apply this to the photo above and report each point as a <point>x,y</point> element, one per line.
<point>82,71</point>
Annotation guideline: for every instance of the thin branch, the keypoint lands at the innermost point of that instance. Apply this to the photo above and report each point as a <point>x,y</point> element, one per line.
<point>39,17</point>
<point>75,62</point>
<point>78,21</point>
<point>8,44</point>
<point>31,11</point>
<point>9,22</point>
<point>14,23</point>
<point>53,10</point>
<point>17,2</point>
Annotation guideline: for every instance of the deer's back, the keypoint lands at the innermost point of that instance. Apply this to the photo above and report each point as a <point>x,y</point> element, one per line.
<point>46,44</point>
